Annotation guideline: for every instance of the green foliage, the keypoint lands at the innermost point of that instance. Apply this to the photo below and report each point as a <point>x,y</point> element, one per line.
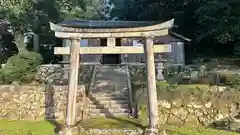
<point>21,67</point>
<point>233,80</point>
<point>1,76</point>
<point>81,9</point>
<point>7,46</point>
<point>17,12</point>
<point>219,19</point>
<point>25,14</point>
<point>213,26</point>
<point>205,18</point>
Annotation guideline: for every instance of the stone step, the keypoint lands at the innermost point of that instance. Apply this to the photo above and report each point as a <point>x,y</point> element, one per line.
<point>113,106</point>
<point>110,89</point>
<point>108,115</point>
<point>109,86</point>
<point>102,97</point>
<point>109,93</point>
<point>99,78</point>
<point>109,102</point>
<point>106,110</point>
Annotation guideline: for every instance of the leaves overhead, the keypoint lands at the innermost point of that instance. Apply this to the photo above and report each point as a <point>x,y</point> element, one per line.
<point>220,19</point>
<point>199,19</point>
<point>36,14</point>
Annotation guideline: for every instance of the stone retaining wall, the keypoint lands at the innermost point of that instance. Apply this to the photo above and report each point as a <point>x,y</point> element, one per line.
<point>58,75</point>
<point>33,102</point>
<point>194,114</point>
<point>196,108</point>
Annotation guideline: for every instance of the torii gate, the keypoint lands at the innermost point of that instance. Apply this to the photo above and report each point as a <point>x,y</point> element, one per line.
<point>76,30</point>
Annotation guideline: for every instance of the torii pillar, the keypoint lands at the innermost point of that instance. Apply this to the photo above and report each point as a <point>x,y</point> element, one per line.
<point>70,122</point>
<point>151,87</point>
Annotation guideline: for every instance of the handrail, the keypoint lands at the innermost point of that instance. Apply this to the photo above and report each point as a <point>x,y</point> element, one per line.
<point>130,92</point>
<point>93,78</point>
<point>84,103</point>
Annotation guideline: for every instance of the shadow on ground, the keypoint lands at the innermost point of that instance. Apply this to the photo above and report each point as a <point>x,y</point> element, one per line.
<point>50,108</point>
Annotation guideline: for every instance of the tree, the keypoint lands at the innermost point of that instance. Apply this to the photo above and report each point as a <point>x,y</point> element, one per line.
<point>16,12</point>
<point>119,9</point>
<point>35,15</point>
<point>219,19</point>
<point>79,9</point>
<point>212,25</point>
<point>7,46</point>
<point>152,9</point>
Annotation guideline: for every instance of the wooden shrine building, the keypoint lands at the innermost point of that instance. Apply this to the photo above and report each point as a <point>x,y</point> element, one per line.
<point>175,56</point>
<point>110,34</point>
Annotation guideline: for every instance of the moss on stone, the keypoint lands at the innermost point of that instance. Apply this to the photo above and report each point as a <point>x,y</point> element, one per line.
<point>197,131</point>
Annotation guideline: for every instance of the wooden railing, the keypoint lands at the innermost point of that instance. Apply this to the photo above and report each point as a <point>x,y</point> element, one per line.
<point>93,79</point>
<point>130,93</point>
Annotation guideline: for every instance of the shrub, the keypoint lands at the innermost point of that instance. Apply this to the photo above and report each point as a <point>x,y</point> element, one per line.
<point>232,80</point>
<point>21,67</point>
<point>1,76</point>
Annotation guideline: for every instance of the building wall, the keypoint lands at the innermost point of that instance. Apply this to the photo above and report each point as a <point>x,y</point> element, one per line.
<point>90,58</point>
<point>85,58</point>
<point>176,56</point>
<point>132,57</point>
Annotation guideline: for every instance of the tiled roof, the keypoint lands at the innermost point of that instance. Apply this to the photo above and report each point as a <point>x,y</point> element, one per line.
<point>105,24</point>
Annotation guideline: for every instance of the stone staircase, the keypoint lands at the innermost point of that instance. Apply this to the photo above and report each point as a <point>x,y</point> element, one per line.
<point>109,96</point>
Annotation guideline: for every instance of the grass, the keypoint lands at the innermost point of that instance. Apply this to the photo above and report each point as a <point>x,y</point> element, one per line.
<point>16,127</point>
<point>179,86</point>
<point>194,86</point>
<point>44,128</point>
<point>115,122</point>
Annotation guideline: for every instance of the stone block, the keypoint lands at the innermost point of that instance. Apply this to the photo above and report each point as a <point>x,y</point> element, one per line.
<point>32,102</point>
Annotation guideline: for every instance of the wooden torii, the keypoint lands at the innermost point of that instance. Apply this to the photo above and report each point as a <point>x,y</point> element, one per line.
<point>75,30</point>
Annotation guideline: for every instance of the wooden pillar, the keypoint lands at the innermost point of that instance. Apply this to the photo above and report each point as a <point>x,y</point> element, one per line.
<point>73,82</point>
<point>151,84</point>
<point>66,58</point>
<point>111,42</point>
